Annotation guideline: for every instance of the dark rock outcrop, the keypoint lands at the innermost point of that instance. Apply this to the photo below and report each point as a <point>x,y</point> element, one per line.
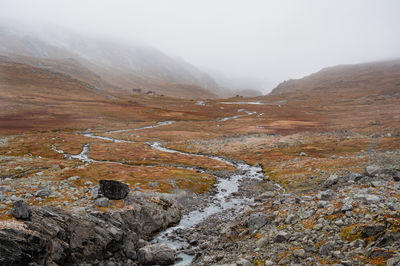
<point>57,236</point>
<point>114,190</point>
<point>21,248</point>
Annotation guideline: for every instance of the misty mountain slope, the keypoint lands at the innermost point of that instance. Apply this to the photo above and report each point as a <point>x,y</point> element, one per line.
<point>113,64</point>
<point>355,80</point>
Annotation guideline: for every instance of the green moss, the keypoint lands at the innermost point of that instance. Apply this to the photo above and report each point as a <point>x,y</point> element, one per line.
<point>351,233</point>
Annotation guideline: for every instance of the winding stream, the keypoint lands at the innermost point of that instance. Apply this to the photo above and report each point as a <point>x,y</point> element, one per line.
<point>219,202</point>
<point>224,199</point>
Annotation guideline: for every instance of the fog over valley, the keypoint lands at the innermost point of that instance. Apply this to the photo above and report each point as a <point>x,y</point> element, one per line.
<point>241,45</point>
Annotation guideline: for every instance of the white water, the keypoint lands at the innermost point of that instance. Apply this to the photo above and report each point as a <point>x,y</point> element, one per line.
<point>83,156</point>
<point>158,124</point>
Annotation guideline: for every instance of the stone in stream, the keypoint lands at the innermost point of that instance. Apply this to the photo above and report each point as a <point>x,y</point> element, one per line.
<point>21,210</point>
<point>156,254</point>
<point>114,190</point>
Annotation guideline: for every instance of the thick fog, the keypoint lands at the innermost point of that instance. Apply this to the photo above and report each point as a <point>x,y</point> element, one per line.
<point>257,41</point>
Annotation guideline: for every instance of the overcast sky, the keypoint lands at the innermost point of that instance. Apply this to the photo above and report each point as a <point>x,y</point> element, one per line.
<point>269,41</point>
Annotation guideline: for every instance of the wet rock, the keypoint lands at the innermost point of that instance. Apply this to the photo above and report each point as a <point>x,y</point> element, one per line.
<point>102,202</point>
<point>371,230</point>
<point>156,254</point>
<point>114,189</point>
<point>42,192</point>
<point>21,210</point>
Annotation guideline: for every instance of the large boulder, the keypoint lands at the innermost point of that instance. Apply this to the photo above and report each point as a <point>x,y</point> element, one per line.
<point>21,210</point>
<point>156,254</point>
<point>114,190</point>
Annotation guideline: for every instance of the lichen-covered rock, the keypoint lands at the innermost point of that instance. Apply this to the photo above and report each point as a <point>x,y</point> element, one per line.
<point>114,190</point>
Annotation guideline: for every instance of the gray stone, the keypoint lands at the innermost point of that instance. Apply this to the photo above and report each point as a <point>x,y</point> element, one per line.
<point>281,237</point>
<point>299,253</point>
<point>265,196</point>
<point>326,195</point>
<point>42,192</point>
<point>354,177</point>
<point>347,207</point>
<point>394,206</point>
<point>257,220</point>
<point>332,180</point>
<point>372,170</point>
<point>102,202</point>
<point>326,249</point>
<point>268,263</point>
<point>156,254</point>
<point>395,261</point>
<point>322,204</point>
<point>370,198</point>
<point>5,189</point>
<point>21,210</point>
<point>243,262</point>
<point>262,242</point>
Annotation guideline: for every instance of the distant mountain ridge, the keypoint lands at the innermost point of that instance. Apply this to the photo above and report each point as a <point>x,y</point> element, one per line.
<point>114,64</point>
<point>373,77</point>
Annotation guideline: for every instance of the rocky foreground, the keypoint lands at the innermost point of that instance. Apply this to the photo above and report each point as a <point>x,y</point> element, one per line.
<point>51,236</point>
<point>349,219</point>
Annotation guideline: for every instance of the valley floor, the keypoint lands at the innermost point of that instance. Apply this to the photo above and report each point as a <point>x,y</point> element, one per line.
<point>328,192</point>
